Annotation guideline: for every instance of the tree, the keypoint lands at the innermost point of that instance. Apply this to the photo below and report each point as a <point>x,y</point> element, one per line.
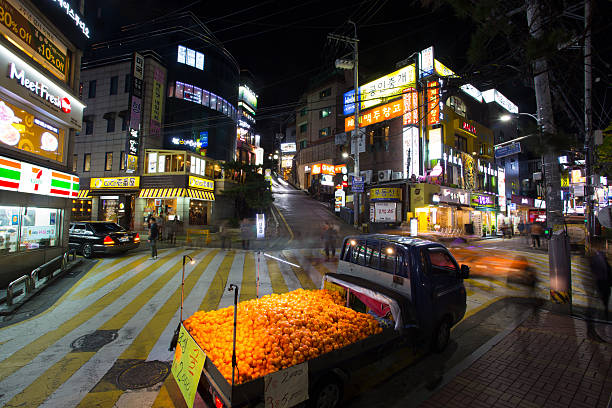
<point>603,154</point>
<point>251,191</point>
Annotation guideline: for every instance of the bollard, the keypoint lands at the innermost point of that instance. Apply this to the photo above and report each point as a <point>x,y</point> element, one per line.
<point>559,260</point>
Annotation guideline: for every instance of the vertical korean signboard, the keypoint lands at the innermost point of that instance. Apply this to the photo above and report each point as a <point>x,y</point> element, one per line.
<point>157,102</point>
<point>433,102</point>
<point>133,133</point>
<point>411,107</point>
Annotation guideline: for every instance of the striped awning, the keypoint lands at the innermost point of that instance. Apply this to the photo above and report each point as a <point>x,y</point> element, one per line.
<point>162,192</point>
<point>83,194</point>
<point>201,195</point>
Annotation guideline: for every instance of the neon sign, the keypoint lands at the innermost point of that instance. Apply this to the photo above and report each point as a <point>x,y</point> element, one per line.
<point>38,88</point>
<point>73,15</point>
<point>468,127</point>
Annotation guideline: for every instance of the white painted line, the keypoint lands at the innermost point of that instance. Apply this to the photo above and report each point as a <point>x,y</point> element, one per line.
<point>234,277</point>
<point>265,283</point>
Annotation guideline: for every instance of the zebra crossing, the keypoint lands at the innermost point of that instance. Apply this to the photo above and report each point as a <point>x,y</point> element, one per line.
<point>57,358</point>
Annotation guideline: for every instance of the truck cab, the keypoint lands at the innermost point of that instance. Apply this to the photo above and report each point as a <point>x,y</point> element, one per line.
<point>421,274</point>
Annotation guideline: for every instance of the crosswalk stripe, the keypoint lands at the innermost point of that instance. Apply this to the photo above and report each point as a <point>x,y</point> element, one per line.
<point>479,285</point>
<point>214,293</point>
<point>234,277</point>
<point>248,289</point>
<point>277,280</point>
<point>265,284</point>
<point>109,278</point>
<point>304,274</point>
<point>24,355</point>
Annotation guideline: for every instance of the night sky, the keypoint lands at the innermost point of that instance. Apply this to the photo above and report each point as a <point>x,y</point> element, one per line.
<point>284,44</point>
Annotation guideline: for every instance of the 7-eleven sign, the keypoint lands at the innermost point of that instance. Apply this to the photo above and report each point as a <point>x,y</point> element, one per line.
<point>29,178</point>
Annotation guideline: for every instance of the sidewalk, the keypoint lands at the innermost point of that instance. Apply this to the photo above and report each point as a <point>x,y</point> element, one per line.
<point>549,360</point>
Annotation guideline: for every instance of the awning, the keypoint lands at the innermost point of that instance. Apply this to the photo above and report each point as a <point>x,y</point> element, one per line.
<point>162,192</point>
<point>83,194</point>
<point>201,195</point>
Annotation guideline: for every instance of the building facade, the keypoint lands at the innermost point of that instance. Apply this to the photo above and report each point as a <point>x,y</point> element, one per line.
<point>39,115</point>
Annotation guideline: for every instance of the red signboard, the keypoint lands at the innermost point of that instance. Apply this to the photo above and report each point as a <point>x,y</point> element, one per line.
<point>338,168</point>
<point>388,111</point>
<point>468,127</point>
<point>328,169</point>
<point>411,107</point>
<point>433,103</point>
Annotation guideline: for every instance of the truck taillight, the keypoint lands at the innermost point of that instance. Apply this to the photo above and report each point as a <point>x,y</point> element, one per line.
<point>218,402</point>
<point>137,238</point>
<point>108,240</point>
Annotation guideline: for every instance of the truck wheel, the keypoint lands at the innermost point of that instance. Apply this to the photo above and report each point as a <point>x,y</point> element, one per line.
<point>441,335</point>
<point>327,394</point>
<point>87,251</point>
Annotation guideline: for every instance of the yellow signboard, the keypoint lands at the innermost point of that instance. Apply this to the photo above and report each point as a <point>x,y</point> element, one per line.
<point>114,182</point>
<point>391,85</point>
<point>201,183</point>
<point>386,193</point>
<point>187,365</point>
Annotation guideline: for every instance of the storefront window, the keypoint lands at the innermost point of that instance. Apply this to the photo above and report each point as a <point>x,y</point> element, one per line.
<point>39,228</point>
<point>161,207</point>
<point>197,212</point>
<point>9,228</point>
<point>109,208</point>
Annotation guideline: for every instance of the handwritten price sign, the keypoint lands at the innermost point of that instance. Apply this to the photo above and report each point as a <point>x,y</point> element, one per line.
<point>187,365</point>
<point>286,388</point>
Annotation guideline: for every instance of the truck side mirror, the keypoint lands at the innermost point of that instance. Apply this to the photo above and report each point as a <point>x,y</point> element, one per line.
<point>465,272</point>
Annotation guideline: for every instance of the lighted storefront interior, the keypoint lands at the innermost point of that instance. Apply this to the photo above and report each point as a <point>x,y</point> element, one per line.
<point>27,228</point>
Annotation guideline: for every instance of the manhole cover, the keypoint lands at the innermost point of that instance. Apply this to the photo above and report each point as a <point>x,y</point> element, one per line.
<point>94,341</point>
<point>143,375</point>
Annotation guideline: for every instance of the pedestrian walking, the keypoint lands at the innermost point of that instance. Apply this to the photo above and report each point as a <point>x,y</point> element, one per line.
<point>153,236</point>
<point>603,277</point>
<point>245,233</point>
<point>225,235</point>
<point>536,232</point>
<point>329,239</point>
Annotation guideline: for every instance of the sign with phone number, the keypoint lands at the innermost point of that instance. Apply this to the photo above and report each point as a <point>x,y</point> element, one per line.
<point>187,365</point>
<point>21,25</point>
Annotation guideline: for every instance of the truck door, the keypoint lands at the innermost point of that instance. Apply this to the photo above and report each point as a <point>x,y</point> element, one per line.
<point>444,284</point>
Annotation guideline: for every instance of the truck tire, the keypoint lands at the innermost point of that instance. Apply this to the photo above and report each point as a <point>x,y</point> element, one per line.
<point>87,250</point>
<point>441,335</point>
<point>327,393</point>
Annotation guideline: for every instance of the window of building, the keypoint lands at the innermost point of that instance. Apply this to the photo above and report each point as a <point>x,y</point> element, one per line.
<point>110,124</point>
<point>325,93</point>
<point>457,105</point>
<point>461,143</point>
<point>303,144</point>
<point>75,159</point>
<point>114,85</point>
<point>190,57</point>
<point>108,161</point>
<point>324,132</point>
<point>198,212</point>
<point>124,122</point>
<point>87,162</point>
<point>40,228</point>
<point>122,161</point>
<point>325,112</point>
<point>89,124</point>
<point>126,84</point>
<point>303,127</point>
<point>92,89</point>
<point>303,112</point>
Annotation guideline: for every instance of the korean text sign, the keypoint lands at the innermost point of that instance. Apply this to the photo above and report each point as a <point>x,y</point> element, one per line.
<point>388,111</point>
<point>286,388</point>
<point>187,365</point>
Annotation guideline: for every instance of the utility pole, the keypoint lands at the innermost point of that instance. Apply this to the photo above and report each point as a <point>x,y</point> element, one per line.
<point>558,254</point>
<point>588,124</point>
<point>355,136</point>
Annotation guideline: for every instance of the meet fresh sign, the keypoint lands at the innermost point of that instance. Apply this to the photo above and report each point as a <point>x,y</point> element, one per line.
<point>38,88</point>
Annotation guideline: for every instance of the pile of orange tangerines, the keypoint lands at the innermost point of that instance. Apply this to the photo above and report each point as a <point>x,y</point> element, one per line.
<point>278,331</point>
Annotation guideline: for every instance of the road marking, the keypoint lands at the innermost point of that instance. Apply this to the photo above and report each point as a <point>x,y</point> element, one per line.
<point>248,288</point>
<point>277,277</point>
<point>23,356</point>
<point>234,277</point>
<point>285,222</point>
<point>213,295</point>
<point>265,284</point>
<point>305,281</point>
<point>109,278</point>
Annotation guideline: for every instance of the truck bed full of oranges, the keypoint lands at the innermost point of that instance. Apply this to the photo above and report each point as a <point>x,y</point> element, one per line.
<point>278,331</point>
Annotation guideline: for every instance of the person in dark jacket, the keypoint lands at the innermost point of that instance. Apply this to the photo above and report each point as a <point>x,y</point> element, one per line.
<point>153,235</point>
<point>603,277</point>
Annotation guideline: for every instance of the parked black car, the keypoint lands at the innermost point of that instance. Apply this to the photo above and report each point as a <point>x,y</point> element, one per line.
<point>101,237</point>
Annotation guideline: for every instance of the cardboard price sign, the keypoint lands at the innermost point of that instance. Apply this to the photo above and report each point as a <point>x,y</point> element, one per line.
<point>286,388</point>
<point>187,365</point>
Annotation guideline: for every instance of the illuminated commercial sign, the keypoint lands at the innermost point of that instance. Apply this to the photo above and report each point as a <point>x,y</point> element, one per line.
<point>316,169</point>
<point>426,62</point>
<point>114,182</point>
<point>340,169</point>
<point>200,183</point>
<point>384,112</point>
<point>468,127</point>
<point>327,180</point>
<point>287,162</point>
<point>245,94</point>
<point>40,89</point>
<point>340,199</point>
<point>27,31</point>
<point>380,90</point>
<point>472,91</point>
<point>192,144</point>
<point>259,156</point>
<point>203,140</point>
<point>443,70</point>
<point>577,176</point>
<point>78,20</point>
<point>190,57</point>
<point>25,177</point>
<point>20,129</point>
<point>288,147</point>
<point>159,79</point>
<point>411,107</point>
<point>132,141</point>
<point>411,151</point>
<point>480,200</point>
<point>435,144</point>
<point>493,95</point>
<point>433,102</point>
<point>328,169</point>
<point>386,194</point>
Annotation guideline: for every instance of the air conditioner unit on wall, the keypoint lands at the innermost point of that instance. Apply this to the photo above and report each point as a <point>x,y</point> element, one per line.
<point>367,176</point>
<point>397,175</point>
<point>384,175</point>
